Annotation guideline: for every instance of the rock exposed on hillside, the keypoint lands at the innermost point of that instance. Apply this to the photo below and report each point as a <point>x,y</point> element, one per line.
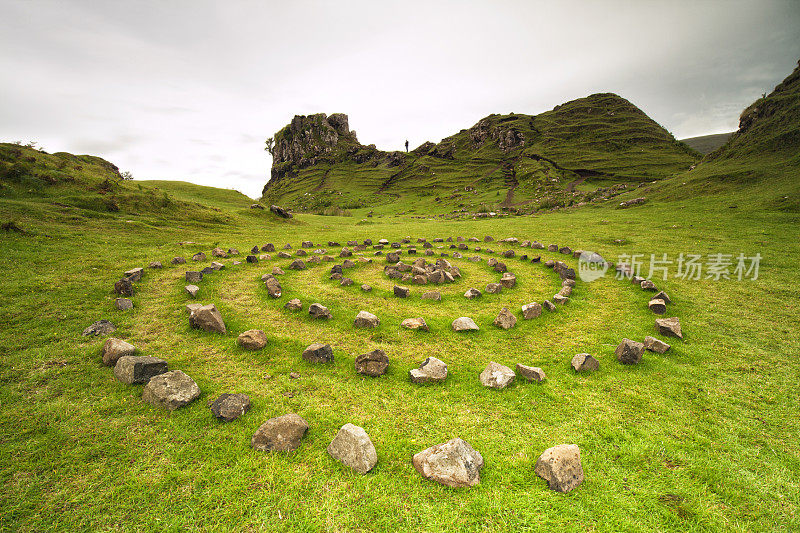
<point>280,211</point>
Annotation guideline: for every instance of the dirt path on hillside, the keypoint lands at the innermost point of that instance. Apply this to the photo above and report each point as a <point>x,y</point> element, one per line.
<point>574,183</point>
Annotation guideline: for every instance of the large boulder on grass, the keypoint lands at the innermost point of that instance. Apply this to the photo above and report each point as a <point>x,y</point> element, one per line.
<point>374,363</point>
<point>207,318</point>
<point>561,467</point>
<point>114,349</point>
<point>454,463</point>
<point>432,370</point>
<point>280,434</point>
<point>252,339</point>
<point>629,352</point>
<point>229,407</point>
<point>171,390</point>
<point>352,447</point>
<point>669,327</point>
<point>497,376</point>
<point>138,369</point>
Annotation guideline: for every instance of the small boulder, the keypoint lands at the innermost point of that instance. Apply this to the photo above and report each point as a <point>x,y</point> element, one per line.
<point>454,464</point>
<point>115,348</point>
<point>352,447</point>
<point>550,306</point>
<point>101,327</point>
<point>365,319</point>
<point>661,295</point>
<point>669,327</point>
<point>415,323</point>
<point>252,339</point>
<point>531,373</point>
<point>124,287</point>
<point>317,310</point>
<point>170,390</point>
<point>561,467</point>
<point>497,376</point>
<point>401,292</point>
<point>277,271</point>
<point>373,363</point>
<point>251,259</point>
<point>629,352</point>
<point>297,264</point>
<point>531,310</point>
<point>493,288</point>
<point>207,318</point>
<point>366,288</point>
<point>432,370</point>
<point>655,345</point>
<point>229,407</point>
<point>138,368</point>
<point>659,307</point>
<point>345,282</point>
<point>178,260</point>
<point>134,274</point>
<point>508,280</point>
<point>155,264</point>
<point>649,285</point>
<point>505,319</point>
<point>192,290</point>
<point>294,305</point>
<point>318,353</point>
<point>432,295</point>
<point>280,434</point>
<point>123,304</point>
<point>583,362</point>
<point>472,294</point>
<point>199,256</point>
<point>274,288</point>
<point>464,323</point>
<point>193,276</point>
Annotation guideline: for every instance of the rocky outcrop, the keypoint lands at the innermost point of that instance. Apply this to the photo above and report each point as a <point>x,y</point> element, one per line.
<point>507,138</point>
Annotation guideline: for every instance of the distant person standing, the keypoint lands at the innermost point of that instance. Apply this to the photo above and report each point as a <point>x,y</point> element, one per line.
<point>406,145</point>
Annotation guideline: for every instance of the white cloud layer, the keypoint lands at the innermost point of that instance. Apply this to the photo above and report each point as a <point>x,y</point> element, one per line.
<point>190,90</point>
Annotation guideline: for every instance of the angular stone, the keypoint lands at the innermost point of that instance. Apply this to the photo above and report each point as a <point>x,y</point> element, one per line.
<point>280,434</point>
<point>218,252</point>
<point>661,295</point>
<point>366,288</point>
<point>191,307</point>
<point>531,310</point>
<point>123,304</point>
<point>560,299</point>
<point>134,274</point>
<point>318,353</point>
<point>655,345</point>
<point>472,293</point>
<point>252,339</point>
<point>317,310</point>
<point>297,265</point>
<point>393,257</point>
<point>550,306</point>
<point>531,373</point>
<point>124,287</point>
<point>629,352</point>
<point>497,376</point>
<point>274,288</point>
<point>493,288</point>
<point>500,268</point>
<point>178,260</point>
<point>552,248</point>
<point>454,464</point>
<point>415,323</point>
<point>353,447</point>
<point>508,280</point>
<point>433,295</point>
<point>583,362</point>
<point>229,407</point>
<point>659,307</point>
<point>193,276</point>
<point>373,363</point>
<point>508,254</point>
<point>138,368</point>
<point>346,282</point>
<point>217,266</point>
<point>464,323</point>
<point>365,319</point>
<point>101,327</point>
<point>251,259</point>
<point>669,327</point>
<point>115,348</point>
<point>649,285</point>
<point>505,319</point>
<point>401,292</point>
<point>170,390</point>
<point>561,467</point>
<point>199,256</point>
<point>294,305</point>
<point>432,370</point>
<point>192,290</point>
<point>207,318</point>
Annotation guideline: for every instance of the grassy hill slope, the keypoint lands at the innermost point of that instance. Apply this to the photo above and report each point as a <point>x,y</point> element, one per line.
<point>705,144</point>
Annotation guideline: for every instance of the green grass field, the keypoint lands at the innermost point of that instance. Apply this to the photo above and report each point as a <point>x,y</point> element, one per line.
<point>701,438</point>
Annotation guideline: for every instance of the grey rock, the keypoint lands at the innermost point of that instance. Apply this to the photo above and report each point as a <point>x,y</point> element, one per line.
<point>550,306</point>
<point>649,285</point>
<point>199,256</point>
<point>432,295</point>
<point>366,288</point>
<point>170,390</point>
<point>101,327</point>
<point>464,323</point>
<point>531,373</point>
<point>629,352</point>
<point>661,295</point>
<point>365,319</point>
<point>561,467</point>
<point>472,293</point>
<point>192,290</point>
<point>193,276</point>
<point>297,265</point>
<point>124,287</point>
<point>229,407</point>
<point>274,288</point>
<point>583,362</point>
<point>178,260</point>
<point>318,353</point>
<point>374,363</point>
<point>454,464</point>
<point>115,348</point>
<point>493,288</point>
<point>346,282</point>
<point>138,368</point>
<point>207,318</point>
<point>280,434</point>
<point>505,319</point>
<point>497,376</point>
<point>432,370</point>
<point>401,292</point>
<point>655,345</point>
<point>252,339</point>
<point>508,280</point>
<point>352,447</point>
<point>123,304</point>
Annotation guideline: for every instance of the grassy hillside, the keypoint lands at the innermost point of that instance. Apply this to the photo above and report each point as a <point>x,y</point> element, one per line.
<point>706,144</point>
<point>190,192</point>
<point>513,162</point>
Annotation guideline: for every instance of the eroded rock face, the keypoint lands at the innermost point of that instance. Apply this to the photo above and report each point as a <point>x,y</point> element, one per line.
<point>432,370</point>
<point>374,363</point>
<point>207,318</point>
<point>170,390</point>
<point>229,407</point>
<point>497,376</point>
<point>280,434</point>
<point>352,447</point>
<point>454,463</point>
<point>115,348</point>
<point>253,339</point>
<point>561,467</point>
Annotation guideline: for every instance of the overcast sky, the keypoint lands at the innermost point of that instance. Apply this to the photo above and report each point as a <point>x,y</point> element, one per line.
<point>190,90</point>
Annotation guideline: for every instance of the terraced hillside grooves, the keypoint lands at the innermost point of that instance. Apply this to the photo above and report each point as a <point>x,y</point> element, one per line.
<point>602,137</point>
